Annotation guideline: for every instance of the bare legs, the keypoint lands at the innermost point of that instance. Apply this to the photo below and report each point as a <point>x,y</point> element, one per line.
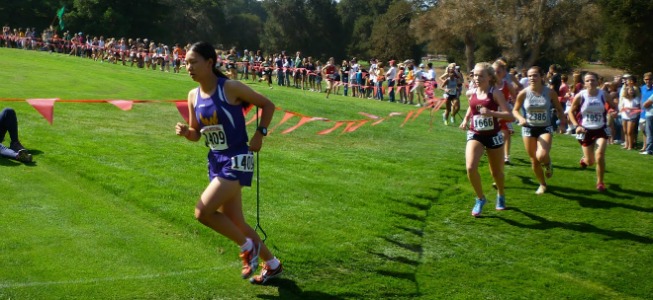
<point>538,150</point>
<point>473,153</point>
<point>220,208</point>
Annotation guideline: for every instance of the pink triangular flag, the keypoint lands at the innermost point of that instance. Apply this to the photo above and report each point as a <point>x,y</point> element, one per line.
<point>260,112</point>
<point>378,122</point>
<point>410,113</point>
<point>327,131</point>
<point>182,107</point>
<point>439,104</point>
<point>371,116</point>
<point>419,112</point>
<point>301,122</point>
<point>44,106</point>
<point>349,125</point>
<point>285,118</point>
<point>354,127</point>
<point>124,104</point>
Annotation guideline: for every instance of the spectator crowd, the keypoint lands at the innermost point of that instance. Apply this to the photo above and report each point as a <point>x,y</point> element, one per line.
<point>406,81</point>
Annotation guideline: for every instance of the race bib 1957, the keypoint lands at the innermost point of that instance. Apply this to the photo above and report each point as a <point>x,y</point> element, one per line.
<point>593,120</point>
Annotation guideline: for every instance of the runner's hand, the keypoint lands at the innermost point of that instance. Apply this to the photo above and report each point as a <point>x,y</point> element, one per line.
<point>181,129</point>
<point>256,142</point>
<point>463,125</point>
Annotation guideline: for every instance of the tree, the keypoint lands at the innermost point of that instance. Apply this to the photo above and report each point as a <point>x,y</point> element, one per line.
<point>311,26</point>
<point>357,25</point>
<point>244,30</point>
<point>449,22</point>
<point>628,42</point>
<point>526,28</point>
<point>360,44</point>
<point>120,18</point>
<point>243,23</point>
<point>286,27</point>
<point>29,13</point>
<point>358,18</point>
<point>325,29</point>
<point>528,31</point>
<point>391,34</point>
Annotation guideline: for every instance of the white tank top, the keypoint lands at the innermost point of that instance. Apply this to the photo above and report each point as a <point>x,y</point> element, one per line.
<point>592,110</point>
<point>538,108</point>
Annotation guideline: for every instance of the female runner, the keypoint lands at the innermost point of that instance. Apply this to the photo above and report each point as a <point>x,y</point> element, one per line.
<point>537,128</point>
<point>484,135</point>
<point>588,114</point>
<point>216,110</point>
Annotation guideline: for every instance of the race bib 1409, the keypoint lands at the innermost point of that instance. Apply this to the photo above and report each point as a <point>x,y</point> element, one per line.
<point>215,137</point>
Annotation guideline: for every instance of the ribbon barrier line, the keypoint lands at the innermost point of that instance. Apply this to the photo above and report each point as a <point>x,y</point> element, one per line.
<point>45,107</point>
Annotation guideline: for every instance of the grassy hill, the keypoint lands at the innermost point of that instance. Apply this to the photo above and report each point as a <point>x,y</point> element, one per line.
<point>106,212</point>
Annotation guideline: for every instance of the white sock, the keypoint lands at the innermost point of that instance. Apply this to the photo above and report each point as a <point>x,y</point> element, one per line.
<point>273,263</point>
<point>248,245</point>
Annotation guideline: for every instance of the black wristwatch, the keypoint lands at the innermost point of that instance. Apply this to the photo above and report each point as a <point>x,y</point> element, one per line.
<point>262,130</point>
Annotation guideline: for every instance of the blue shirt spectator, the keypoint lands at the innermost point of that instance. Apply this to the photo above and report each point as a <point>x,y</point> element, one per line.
<point>647,92</point>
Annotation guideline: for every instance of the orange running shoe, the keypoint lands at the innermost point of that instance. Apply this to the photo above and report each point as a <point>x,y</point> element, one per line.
<point>250,261</point>
<point>267,274</point>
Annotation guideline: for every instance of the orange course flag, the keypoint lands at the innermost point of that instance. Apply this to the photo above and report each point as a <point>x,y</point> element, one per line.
<point>44,106</point>
<point>182,107</point>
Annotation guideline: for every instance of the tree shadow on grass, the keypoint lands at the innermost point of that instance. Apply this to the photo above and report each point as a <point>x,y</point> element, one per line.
<point>415,231</point>
<point>412,216</point>
<point>399,259</point>
<point>288,289</point>
<point>521,161</point>
<point>417,248</point>
<point>410,276</point>
<point>544,224</point>
<point>419,206</point>
<point>527,163</point>
<point>617,188</point>
<point>581,196</point>
<point>418,210</point>
<point>526,180</point>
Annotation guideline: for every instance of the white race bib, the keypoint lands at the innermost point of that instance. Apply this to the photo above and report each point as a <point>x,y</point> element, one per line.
<point>215,137</point>
<point>483,123</point>
<point>497,140</point>
<point>593,120</point>
<point>537,117</point>
<point>243,162</point>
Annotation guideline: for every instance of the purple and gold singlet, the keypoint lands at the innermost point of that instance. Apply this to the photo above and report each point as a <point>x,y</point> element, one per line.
<point>223,127</point>
<point>221,124</point>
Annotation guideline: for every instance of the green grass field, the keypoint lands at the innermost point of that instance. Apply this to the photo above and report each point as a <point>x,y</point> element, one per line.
<point>106,210</point>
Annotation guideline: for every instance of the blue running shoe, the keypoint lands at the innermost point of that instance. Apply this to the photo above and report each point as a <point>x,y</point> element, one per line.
<point>501,202</point>
<point>476,211</point>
